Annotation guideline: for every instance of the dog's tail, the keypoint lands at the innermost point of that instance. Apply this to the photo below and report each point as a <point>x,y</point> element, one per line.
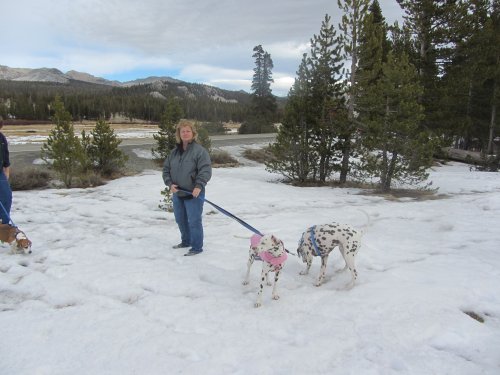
<point>238,236</point>
<point>368,221</point>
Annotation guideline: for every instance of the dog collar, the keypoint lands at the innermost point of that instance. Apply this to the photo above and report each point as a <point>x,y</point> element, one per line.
<point>275,261</point>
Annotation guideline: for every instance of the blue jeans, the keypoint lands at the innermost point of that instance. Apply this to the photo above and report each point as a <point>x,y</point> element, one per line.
<point>5,198</point>
<point>188,214</point>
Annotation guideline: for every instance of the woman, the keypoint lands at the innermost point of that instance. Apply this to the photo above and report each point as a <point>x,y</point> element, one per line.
<point>186,172</point>
<point>5,191</point>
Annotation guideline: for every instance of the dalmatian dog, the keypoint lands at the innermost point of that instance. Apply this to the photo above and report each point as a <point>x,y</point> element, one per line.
<point>272,252</point>
<point>321,240</point>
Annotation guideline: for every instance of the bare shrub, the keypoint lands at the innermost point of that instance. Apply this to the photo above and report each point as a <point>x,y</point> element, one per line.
<point>87,180</point>
<point>222,158</point>
<point>29,179</point>
<point>260,155</point>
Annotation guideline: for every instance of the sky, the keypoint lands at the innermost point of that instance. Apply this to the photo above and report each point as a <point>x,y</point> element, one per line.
<point>104,292</point>
<point>199,41</point>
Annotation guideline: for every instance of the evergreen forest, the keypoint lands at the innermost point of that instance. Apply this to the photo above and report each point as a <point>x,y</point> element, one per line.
<point>87,101</point>
<point>377,102</point>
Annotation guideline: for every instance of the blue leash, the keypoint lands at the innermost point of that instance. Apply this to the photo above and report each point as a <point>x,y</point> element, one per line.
<point>8,216</point>
<point>227,213</point>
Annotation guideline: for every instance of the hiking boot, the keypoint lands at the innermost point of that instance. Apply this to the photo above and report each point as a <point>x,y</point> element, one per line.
<point>192,252</point>
<point>180,246</point>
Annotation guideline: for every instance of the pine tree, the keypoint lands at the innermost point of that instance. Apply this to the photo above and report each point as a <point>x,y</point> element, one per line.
<point>396,149</point>
<point>459,82</point>
<point>63,149</point>
<point>166,135</point>
<point>429,21</point>
<point>471,75</point>
<point>292,151</point>
<point>203,138</point>
<point>306,147</point>
<point>372,55</point>
<point>327,98</point>
<point>87,163</point>
<point>493,71</point>
<point>484,49</point>
<point>263,107</point>
<point>104,152</point>
<point>355,12</point>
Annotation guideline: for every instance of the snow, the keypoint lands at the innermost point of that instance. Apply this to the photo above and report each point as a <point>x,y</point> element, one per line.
<point>105,293</point>
<point>130,133</point>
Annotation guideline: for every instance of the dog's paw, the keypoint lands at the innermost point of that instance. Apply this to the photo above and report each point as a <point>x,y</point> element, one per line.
<point>276,297</point>
<point>245,282</point>
<point>303,273</point>
<point>257,304</point>
<point>268,283</point>
<point>318,283</point>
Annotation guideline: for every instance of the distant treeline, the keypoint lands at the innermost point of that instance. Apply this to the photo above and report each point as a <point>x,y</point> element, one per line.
<point>86,101</point>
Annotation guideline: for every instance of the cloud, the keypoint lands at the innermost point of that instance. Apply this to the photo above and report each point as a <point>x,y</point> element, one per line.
<point>233,79</point>
<point>288,50</point>
<point>200,40</point>
<point>282,84</point>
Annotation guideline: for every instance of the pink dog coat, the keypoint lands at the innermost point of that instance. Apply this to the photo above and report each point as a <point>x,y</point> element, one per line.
<point>265,255</point>
<point>275,261</point>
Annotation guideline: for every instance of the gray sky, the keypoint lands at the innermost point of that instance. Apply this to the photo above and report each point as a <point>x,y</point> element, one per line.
<point>202,41</point>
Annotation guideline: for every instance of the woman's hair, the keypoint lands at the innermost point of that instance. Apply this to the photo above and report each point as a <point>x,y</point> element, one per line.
<point>185,124</point>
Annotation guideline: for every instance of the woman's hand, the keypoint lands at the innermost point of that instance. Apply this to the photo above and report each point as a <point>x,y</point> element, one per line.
<point>196,192</point>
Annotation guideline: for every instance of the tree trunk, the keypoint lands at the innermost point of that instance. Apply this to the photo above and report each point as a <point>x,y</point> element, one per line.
<point>344,169</point>
<point>322,169</point>
<point>390,173</point>
<point>492,121</point>
<point>384,170</point>
<point>306,165</point>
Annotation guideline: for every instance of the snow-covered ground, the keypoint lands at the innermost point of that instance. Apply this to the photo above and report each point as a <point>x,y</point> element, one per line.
<point>105,293</point>
<point>130,133</point>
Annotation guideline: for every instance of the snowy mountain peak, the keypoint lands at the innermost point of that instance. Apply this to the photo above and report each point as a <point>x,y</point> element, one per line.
<point>55,75</point>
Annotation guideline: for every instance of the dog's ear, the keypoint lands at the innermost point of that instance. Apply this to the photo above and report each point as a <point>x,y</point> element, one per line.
<point>275,240</point>
<point>24,243</point>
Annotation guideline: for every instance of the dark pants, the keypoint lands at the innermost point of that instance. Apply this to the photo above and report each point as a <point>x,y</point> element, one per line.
<point>188,213</point>
<point>5,199</point>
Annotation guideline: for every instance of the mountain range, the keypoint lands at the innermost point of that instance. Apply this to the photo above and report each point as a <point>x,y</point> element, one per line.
<point>55,75</point>
<point>27,93</point>
<point>32,90</point>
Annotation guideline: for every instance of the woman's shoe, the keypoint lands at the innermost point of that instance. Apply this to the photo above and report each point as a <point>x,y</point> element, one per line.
<point>180,246</point>
<point>192,252</point>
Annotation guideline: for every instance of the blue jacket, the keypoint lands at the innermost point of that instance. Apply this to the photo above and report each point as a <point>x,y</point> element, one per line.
<point>188,169</point>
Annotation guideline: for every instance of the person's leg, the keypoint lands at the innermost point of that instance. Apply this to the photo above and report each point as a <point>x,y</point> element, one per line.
<point>5,198</point>
<point>181,219</point>
<point>194,209</point>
